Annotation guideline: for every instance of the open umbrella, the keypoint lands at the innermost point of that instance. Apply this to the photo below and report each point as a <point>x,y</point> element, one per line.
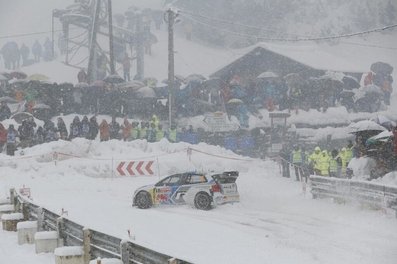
<point>194,77</point>
<point>41,106</point>
<point>133,85</point>
<point>383,136</point>
<point>266,75</point>
<point>145,92</point>
<point>350,82</point>
<point>38,77</point>
<point>114,79</point>
<point>214,83</point>
<point>19,117</point>
<point>365,125</point>
<point>235,101</point>
<point>8,100</point>
<point>18,75</point>
<point>382,68</point>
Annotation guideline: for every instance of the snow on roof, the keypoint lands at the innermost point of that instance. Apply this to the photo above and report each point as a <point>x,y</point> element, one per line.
<point>341,57</point>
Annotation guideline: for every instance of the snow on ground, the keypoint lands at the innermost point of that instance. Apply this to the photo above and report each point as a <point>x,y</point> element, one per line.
<point>273,223</point>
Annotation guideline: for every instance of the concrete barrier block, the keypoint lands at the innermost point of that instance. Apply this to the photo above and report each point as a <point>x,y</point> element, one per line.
<point>46,241</point>
<point>26,232</point>
<point>69,255</point>
<point>10,221</point>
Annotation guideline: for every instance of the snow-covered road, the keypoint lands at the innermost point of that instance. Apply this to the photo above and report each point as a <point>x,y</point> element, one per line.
<point>273,223</point>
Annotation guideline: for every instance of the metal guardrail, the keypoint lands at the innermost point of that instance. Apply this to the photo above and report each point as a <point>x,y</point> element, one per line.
<point>99,244</point>
<point>371,194</point>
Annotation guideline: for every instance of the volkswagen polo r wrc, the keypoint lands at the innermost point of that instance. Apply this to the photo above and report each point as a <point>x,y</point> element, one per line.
<point>203,191</point>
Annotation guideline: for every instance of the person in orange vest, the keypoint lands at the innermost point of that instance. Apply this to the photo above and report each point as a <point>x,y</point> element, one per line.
<point>104,133</point>
<point>126,130</point>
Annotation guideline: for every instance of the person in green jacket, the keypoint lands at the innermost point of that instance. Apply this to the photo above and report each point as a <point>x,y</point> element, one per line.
<point>297,161</point>
<point>323,163</point>
<point>135,131</point>
<point>172,134</point>
<point>159,133</point>
<point>143,131</point>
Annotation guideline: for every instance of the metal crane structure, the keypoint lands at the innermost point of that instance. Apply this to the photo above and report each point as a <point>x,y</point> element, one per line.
<point>106,43</point>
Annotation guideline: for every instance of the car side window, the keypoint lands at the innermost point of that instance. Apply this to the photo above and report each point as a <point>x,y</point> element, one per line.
<point>173,181</point>
<point>194,179</point>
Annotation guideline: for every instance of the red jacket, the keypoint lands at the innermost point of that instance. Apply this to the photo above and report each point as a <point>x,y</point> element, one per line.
<point>3,134</point>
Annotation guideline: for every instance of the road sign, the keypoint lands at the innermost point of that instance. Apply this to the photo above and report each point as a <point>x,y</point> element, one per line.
<point>135,168</point>
<point>217,122</point>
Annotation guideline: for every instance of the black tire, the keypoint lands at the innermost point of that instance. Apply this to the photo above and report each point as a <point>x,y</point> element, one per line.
<point>143,200</point>
<point>202,201</point>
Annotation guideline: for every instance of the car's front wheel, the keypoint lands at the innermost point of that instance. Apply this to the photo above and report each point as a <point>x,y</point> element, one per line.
<point>143,200</point>
<point>202,201</point>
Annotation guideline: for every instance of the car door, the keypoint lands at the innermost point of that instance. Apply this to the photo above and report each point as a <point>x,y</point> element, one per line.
<point>187,181</point>
<point>164,189</point>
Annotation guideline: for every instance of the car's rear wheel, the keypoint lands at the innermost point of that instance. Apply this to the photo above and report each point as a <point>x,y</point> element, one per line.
<point>202,201</point>
<point>143,200</point>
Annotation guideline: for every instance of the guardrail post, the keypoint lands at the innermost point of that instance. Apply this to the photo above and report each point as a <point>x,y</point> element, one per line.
<point>40,219</point>
<point>24,210</point>
<point>125,254</point>
<point>87,245</point>
<point>60,231</point>
<point>12,196</point>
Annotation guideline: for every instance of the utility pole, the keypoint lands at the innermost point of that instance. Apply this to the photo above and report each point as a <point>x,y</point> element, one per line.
<point>140,58</point>
<point>111,49</point>
<point>53,36</point>
<point>170,18</point>
<point>91,72</point>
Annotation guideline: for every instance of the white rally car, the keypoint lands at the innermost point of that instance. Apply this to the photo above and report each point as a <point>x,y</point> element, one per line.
<point>203,191</point>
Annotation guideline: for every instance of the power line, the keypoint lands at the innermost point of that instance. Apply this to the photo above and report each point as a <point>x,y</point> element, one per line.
<point>236,24</point>
<point>367,45</point>
<point>264,38</point>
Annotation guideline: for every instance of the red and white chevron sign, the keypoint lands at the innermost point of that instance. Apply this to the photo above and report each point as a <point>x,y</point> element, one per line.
<point>135,168</point>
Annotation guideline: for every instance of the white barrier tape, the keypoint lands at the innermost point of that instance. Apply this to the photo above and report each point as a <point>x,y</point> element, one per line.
<point>217,156</point>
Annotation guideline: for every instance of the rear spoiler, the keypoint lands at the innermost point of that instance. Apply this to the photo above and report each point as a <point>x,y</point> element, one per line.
<point>226,177</point>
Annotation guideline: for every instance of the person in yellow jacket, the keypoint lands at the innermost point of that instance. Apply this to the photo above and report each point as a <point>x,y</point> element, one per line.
<point>346,155</point>
<point>314,161</point>
<point>135,131</point>
<point>143,131</point>
<point>172,134</point>
<point>155,120</point>
<point>159,133</point>
<point>323,163</point>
